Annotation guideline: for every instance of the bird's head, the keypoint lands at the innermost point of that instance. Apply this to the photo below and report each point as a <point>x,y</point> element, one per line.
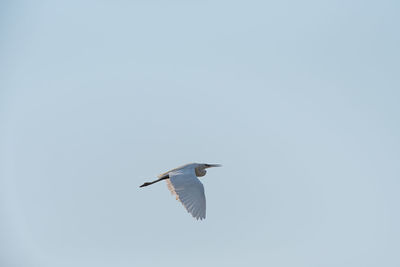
<point>201,168</point>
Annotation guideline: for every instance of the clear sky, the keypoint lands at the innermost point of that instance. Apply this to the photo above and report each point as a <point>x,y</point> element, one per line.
<point>299,100</point>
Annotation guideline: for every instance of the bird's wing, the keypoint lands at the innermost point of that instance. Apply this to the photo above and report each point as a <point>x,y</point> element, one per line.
<point>189,191</point>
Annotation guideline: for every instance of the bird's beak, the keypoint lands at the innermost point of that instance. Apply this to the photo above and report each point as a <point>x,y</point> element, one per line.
<point>213,165</point>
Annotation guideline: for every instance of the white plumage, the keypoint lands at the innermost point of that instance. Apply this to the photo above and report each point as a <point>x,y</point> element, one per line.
<point>187,188</point>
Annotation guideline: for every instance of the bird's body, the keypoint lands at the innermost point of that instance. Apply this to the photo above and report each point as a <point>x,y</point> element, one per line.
<point>184,184</point>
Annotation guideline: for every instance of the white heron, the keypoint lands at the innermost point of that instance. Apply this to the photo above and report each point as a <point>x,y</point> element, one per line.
<point>184,184</point>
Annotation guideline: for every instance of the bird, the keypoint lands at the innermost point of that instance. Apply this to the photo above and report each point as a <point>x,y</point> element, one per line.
<point>187,188</point>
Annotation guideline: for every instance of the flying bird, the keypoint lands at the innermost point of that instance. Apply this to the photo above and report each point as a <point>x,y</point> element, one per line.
<point>184,184</point>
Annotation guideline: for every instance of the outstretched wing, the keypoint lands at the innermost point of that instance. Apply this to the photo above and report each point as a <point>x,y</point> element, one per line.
<point>189,191</point>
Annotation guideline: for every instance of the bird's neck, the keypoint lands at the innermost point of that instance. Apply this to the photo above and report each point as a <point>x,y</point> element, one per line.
<point>200,172</point>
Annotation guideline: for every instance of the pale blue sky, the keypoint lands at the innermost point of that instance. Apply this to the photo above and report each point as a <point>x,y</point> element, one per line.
<point>299,100</point>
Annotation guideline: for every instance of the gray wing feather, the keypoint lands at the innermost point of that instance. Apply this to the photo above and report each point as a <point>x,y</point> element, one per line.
<point>189,191</point>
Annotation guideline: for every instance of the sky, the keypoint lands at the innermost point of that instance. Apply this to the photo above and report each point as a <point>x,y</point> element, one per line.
<point>298,100</point>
